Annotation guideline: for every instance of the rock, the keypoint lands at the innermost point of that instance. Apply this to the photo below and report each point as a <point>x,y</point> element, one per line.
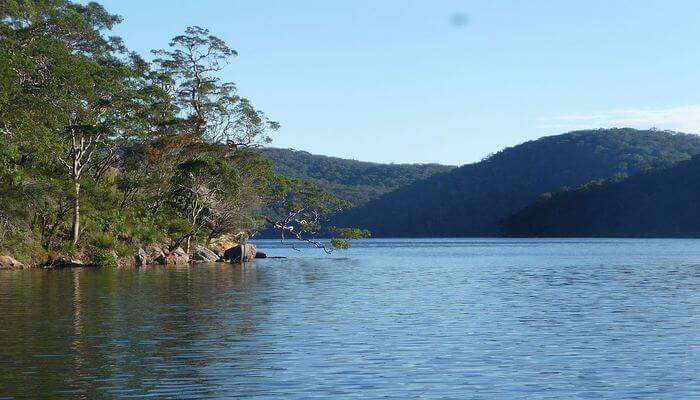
<point>141,258</point>
<point>222,243</point>
<point>179,256</point>
<point>7,262</point>
<point>260,254</point>
<point>161,259</point>
<point>64,262</point>
<point>203,254</point>
<point>155,253</point>
<point>175,257</point>
<point>240,253</point>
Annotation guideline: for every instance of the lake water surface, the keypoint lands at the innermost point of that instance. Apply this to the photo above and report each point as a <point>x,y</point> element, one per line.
<point>433,318</point>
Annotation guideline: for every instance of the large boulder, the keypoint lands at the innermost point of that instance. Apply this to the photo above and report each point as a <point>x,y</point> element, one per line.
<point>175,257</point>
<point>141,258</point>
<point>155,252</point>
<point>260,254</point>
<point>222,243</point>
<point>7,262</point>
<point>151,255</point>
<point>203,254</point>
<point>240,253</point>
<point>64,262</point>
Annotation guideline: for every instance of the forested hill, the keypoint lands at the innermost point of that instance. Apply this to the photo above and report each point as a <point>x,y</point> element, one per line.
<point>473,200</point>
<point>659,203</point>
<point>355,181</point>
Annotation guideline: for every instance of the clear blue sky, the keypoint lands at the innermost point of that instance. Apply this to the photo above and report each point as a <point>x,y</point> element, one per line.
<point>399,81</point>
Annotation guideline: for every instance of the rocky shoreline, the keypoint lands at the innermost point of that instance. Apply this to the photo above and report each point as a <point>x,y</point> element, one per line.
<point>162,255</point>
<point>224,249</point>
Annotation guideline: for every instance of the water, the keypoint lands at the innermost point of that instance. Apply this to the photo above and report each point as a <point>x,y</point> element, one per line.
<point>468,319</point>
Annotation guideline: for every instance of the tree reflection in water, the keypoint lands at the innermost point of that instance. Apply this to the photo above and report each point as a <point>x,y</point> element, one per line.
<point>156,330</point>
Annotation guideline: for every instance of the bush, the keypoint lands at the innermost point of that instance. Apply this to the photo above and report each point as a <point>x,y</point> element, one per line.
<point>68,249</point>
<point>104,258</point>
<point>105,241</point>
<point>124,249</point>
<point>26,249</point>
<point>149,235</point>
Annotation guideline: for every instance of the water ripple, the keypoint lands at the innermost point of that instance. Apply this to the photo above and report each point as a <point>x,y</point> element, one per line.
<point>434,318</point>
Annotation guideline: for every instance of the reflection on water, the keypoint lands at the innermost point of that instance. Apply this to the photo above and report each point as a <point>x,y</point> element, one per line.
<point>479,319</point>
<point>86,333</point>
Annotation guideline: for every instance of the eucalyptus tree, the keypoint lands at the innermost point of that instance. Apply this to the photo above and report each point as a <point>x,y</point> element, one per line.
<point>214,122</point>
<point>201,185</point>
<point>299,210</point>
<point>55,57</point>
<point>77,90</point>
<point>211,109</point>
<point>91,134</point>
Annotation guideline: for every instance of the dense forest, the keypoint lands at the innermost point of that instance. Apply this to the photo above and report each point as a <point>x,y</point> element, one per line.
<point>658,203</point>
<point>355,181</point>
<point>103,152</point>
<point>473,200</point>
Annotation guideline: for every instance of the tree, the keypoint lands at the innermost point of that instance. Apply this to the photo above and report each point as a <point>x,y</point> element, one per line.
<point>101,150</point>
<point>202,186</point>
<point>214,124</point>
<point>298,210</point>
<point>70,80</point>
<point>211,110</point>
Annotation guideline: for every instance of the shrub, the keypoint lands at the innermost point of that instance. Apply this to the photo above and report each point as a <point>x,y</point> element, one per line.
<point>68,249</point>
<point>124,249</point>
<point>104,241</point>
<point>104,258</point>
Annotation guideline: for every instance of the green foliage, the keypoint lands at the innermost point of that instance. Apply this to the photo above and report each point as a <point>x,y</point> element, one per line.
<point>104,258</point>
<point>353,233</point>
<point>69,249</point>
<point>355,181</point>
<point>474,199</point>
<point>105,241</point>
<point>300,208</point>
<point>340,244</point>
<point>10,173</point>
<point>25,248</point>
<point>178,227</point>
<point>148,233</point>
<point>657,203</point>
<point>212,169</point>
<point>346,234</point>
<point>102,152</point>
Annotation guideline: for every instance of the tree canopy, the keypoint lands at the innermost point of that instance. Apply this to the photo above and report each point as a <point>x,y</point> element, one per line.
<point>656,203</point>
<point>473,200</point>
<point>355,181</point>
<point>102,151</point>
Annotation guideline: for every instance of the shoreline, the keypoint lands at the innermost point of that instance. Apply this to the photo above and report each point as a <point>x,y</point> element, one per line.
<point>154,255</point>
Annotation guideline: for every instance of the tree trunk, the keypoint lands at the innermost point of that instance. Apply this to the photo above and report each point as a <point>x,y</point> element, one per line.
<point>76,213</point>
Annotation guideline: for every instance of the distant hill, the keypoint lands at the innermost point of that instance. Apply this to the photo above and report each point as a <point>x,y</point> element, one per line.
<point>658,203</point>
<point>473,200</point>
<point>355,181</point>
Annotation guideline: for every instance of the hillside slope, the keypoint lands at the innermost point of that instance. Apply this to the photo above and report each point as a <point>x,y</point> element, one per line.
<point>659,203</point>
<point>473,200</point>
<point>355,181</point>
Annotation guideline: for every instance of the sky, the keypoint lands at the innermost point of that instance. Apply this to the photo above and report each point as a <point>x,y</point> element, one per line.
<point>443,81</point>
